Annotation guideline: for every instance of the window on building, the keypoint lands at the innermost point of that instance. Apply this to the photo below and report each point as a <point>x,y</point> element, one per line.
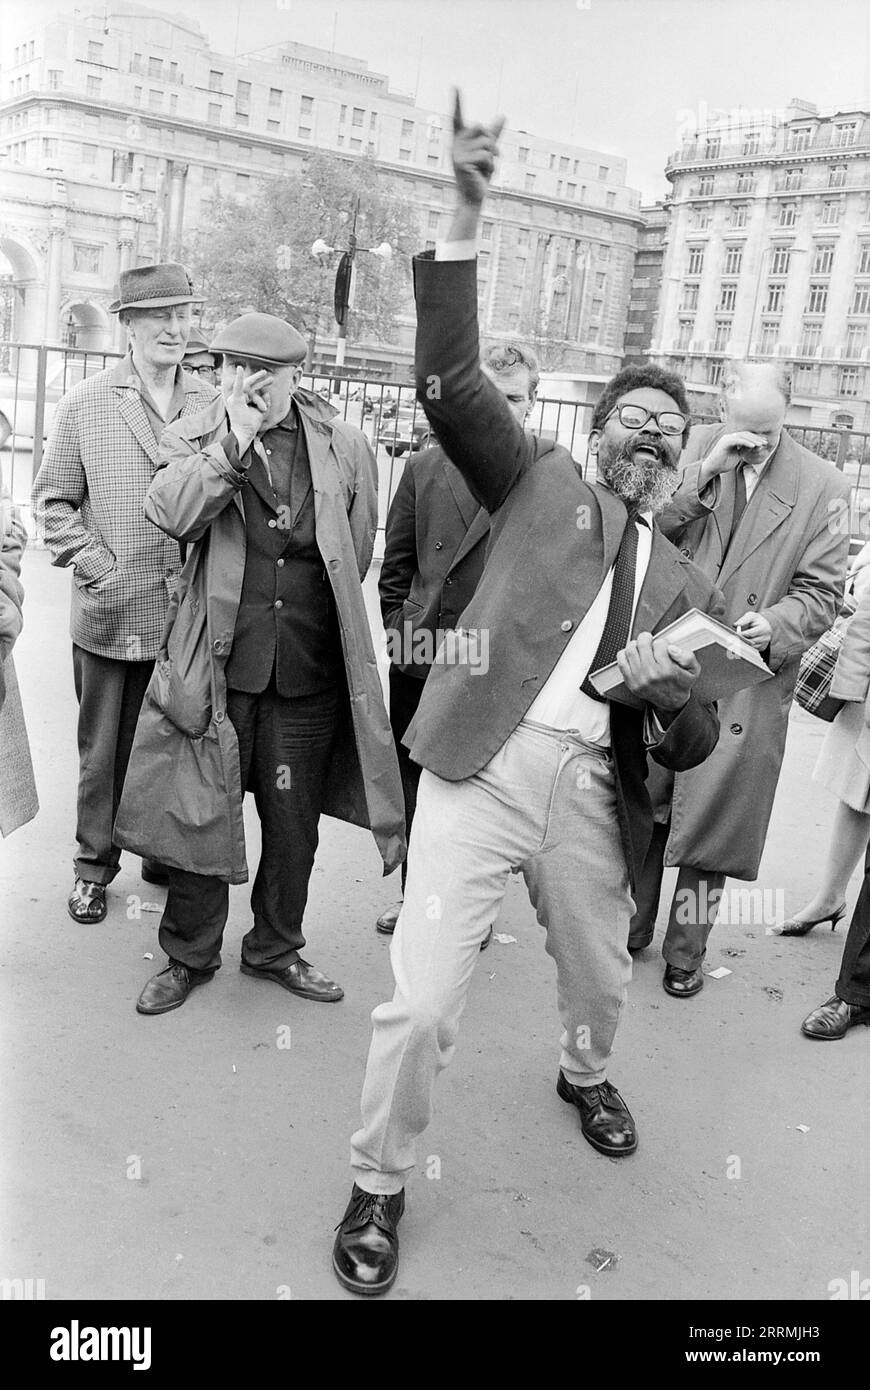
<point>721,335</point>
<point>610,200</point>
<point>356,143</point>
<point>405,156</point>
<point>696,260</point>
<point>523,236</point>
<point>552,163</point>
<point>93,85</point>
<point>727,296</point>
<point>739,215</point>
<point>733,260</point>
<point>358,116</point>
<point>209,177</point>
<point>811,337</point>
<point>837,176</point>
<point>306,107</point>
<point>804,379</point>
<point>173,101</point>
<point>823,257</point>
<point>149,173</point>
<point>830,213</point>
<point>864,258</point>
<point>564,163</point>
<point>214,113</point>
<point>845,133</point>
<point>706,185</point>
<point>571,190</point>
<point>558,188</point>
<point>530,183</point>
<point>243,183</point>
<point>701,219</point>
<point>800,137</point>
<point>89,154</point>
<point>775,297</point>
<point>714,372</point>
<point>95,51</point>
<point>856,339</point>
<point>50,149</point>
<point>603,172</point>
<point>373,120</point>
<point>861,300</point>
<point>523,154</point>
<point>433,222</point>
<point>851,381</point>
<point>173,72</point>
<point>684,334</point>
<point>433,160</point>
<point>791,179</point>
<point>86,258</point>
<point>712,146</point>
<point>779,260</point>
<point>275,95</point>
<point>31,48</point>
<point>136,63</point>
<point>137,95</point>
<point>155,99</point>
<point>215,81</point>
<point>155,67</point>
<point>273,125</point>
<point>485,231</point>
<point>604,253</point>
<point>55,77</point>
<point>751,142</point>
<point>690,297</point>
<point>788,214</point>
<point>769,337</point>
<point>818,300</point>
<point>593,332</point>
<point>407,130</point>
<point>303,132</point>
<point>600,279</point>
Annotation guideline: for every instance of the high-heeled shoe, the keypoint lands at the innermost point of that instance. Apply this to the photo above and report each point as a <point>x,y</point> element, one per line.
<point>794,927</point>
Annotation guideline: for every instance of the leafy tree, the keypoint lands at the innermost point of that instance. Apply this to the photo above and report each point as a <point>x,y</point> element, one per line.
<point>256,254</point>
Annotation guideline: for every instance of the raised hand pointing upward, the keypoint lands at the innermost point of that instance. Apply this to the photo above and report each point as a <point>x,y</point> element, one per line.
<point>474,150</point>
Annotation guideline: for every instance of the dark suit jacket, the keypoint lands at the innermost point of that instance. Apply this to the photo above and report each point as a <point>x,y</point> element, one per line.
<point>434,553</point>
<point>554,538</point>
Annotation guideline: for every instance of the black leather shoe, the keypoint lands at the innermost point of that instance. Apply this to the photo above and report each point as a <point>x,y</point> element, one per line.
<point>386,923</point>
<point>365,1256</point>
<point>87,901</point>
<point>833,1019</point>
<point>169,988</point>
<point>152,872</point>
<point>300,978</point>
<point>605,1118</point>
<point>682,984</point>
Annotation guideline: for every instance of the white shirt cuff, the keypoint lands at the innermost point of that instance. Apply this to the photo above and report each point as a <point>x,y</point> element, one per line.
<point>456,250</point>
<point>653,730</point>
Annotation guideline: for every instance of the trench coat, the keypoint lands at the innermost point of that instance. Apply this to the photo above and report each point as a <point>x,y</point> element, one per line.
<point>182,798</point>
<point>18,799</point>
<point>789,564</point>
<point>851,678</point>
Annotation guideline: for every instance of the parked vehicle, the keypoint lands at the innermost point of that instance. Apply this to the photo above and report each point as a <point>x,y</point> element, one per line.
<point>405,430</point>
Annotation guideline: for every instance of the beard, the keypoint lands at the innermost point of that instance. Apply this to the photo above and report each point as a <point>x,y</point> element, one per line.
<point>649,483</point>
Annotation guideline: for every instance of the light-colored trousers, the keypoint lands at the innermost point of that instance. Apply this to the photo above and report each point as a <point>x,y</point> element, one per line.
<point>545,805</point>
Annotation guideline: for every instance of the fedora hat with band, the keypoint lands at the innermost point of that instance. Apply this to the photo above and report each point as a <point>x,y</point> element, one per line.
<point>154,287</point>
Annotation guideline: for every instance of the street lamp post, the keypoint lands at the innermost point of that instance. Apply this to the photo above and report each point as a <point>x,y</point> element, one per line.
<point>344,279</point>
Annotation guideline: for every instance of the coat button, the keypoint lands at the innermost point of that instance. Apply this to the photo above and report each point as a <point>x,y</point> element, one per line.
<point>448,582</point>
<point>737,728</point>
<point>753,598</point>
<point>280,564</point>
<point>218,716</point>
<point>279,603</point>
<point>685,551</point>
<point>218,646</point>
<point>439,545</point>
<point>567,625</point>
<point>272,524</point>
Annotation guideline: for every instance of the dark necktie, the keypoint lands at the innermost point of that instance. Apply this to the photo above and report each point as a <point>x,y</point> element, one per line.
<point>739,503</point>
<point>617,628</point>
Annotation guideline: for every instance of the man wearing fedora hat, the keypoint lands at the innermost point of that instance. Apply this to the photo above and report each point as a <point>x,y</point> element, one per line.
<point>88,500</point>
<point>268,682</point>
<point>200,360</point>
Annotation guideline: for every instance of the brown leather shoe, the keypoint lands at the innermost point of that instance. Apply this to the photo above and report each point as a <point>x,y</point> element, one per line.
<point>365,1256</point>
<point>87,901</point>
<point>833,1019</point>
<point>169,988</point>
<point>605,1119</point>
<point>300,978</point>
<point>682,984</point>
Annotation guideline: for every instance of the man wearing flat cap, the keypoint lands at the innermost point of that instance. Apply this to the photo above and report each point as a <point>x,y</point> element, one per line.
<point>267,681</point>
<point>88,501</point>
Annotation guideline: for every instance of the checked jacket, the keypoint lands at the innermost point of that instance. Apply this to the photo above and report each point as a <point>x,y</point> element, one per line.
<point>88,500</point>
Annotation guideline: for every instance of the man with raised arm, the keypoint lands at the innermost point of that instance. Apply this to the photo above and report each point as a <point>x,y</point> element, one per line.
<point>525,767</point>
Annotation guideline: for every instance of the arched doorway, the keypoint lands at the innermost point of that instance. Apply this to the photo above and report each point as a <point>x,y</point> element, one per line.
<point>25,289</point>
<point>85,325</point>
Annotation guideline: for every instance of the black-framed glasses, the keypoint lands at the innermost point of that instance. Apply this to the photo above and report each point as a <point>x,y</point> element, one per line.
<point>634,417</point>
<point>202,371</point>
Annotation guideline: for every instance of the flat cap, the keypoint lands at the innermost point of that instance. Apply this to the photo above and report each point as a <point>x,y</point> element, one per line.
<point>262,338</point>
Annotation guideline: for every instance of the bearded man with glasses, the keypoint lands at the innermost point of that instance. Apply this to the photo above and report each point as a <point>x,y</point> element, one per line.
<point>526,769</point>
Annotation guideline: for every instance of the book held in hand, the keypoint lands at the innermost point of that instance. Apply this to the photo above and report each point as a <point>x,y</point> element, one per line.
<point>728,662</point>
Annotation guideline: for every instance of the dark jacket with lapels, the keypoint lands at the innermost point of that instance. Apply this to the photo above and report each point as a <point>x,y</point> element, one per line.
<point>553,540</point>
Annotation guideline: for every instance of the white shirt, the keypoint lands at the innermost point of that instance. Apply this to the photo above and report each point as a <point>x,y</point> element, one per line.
<point>561,704</point>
